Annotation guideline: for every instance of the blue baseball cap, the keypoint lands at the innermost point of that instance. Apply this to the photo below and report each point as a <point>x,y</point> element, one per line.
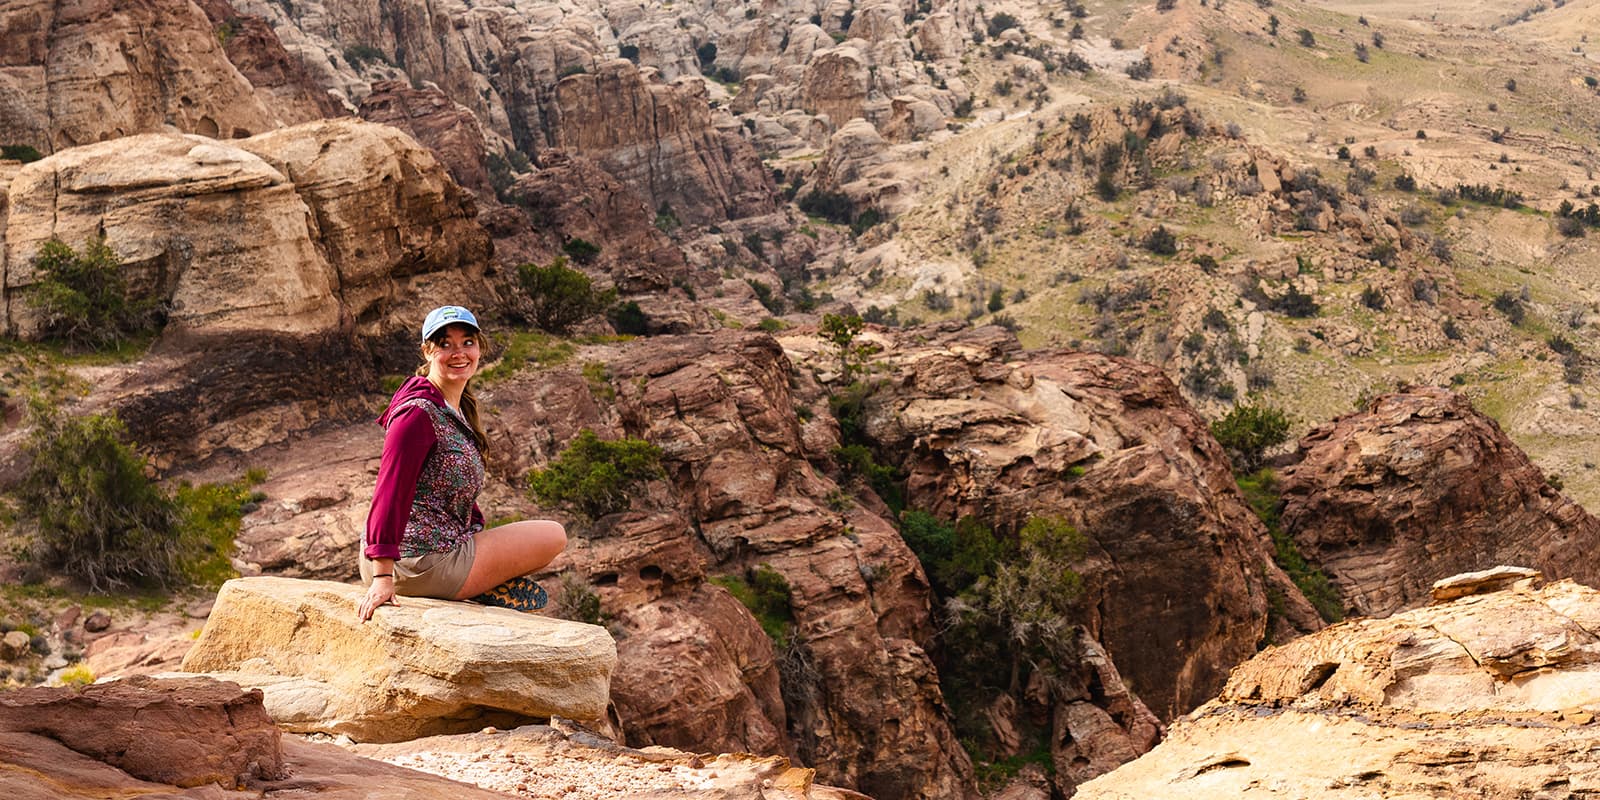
<point>446,315</point>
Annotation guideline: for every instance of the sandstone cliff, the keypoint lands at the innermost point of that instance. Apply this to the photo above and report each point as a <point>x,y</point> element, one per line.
<point>1494,691</point>
<point>1418,486</point>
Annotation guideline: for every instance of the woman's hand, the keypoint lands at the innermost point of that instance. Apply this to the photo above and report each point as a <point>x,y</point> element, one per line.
<point>381,592</point>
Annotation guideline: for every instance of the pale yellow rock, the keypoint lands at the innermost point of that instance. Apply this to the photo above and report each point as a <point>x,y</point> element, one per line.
<point>423,667</point>
<point>1496,691</point>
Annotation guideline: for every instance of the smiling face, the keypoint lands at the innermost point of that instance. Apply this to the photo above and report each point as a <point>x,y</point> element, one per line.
<point>452,355</point>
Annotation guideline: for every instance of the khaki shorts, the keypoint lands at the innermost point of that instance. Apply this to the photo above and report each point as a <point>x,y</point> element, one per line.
<point>430,575</point>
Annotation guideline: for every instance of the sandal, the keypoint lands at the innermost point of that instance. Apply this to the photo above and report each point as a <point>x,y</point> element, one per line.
<point>518,594</point>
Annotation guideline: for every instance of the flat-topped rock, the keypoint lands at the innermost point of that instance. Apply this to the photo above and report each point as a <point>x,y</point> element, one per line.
<point>423,667</point>
<point>186,732</point>
<point>1497,691</point>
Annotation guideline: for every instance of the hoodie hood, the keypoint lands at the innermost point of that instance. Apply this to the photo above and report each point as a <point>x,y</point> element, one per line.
<point>414,387</point>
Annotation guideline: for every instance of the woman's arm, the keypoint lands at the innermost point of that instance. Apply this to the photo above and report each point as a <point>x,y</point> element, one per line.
<point>405,447</point>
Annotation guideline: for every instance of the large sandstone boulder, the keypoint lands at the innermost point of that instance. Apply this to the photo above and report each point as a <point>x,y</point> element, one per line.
<point>208,228</point>
<point>423,667</point>
<point>1494,691</point>
<point>1418,486</point>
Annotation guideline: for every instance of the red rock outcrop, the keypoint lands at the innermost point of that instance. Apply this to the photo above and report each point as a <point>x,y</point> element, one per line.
<point>860,700</point>
<point>1418,486</point>
<point>185,732</point>
<point>438,123</point>
<point>1179,591</point>
<point>280,79</point>
<point>1492,694</point>
<point>572,197</point>
<point>80,73</point>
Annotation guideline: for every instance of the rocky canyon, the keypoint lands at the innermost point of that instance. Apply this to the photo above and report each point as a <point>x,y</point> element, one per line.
<point>932,316</point>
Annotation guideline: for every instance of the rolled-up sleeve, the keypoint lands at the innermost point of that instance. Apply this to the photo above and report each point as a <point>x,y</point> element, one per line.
<point>406,445</point>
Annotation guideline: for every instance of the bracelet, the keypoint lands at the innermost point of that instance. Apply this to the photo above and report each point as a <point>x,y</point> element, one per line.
<point>385,575</point>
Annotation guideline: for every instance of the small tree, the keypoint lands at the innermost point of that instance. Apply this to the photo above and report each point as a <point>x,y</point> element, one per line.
<point>1249,431</point>
<point>99,518</point>
<point>83,297</point>
<point>561,297</point>
<point>841,332</point>
<point>594,476</point>
<point>1307,38</point>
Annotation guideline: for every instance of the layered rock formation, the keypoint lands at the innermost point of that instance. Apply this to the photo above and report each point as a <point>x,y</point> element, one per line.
<point>1418,486</point>
<point>1494,691</point>
<point>860,699</point>
<point>1179,566</point>
<point>422,667</point>
<point>79,73</point>
<point>185,733</point>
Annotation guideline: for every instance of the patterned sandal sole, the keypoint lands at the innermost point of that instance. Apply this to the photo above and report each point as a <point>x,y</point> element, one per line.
<point>518,594</point>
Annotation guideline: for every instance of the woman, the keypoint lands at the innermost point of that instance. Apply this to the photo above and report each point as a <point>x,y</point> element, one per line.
<point>425,534</point>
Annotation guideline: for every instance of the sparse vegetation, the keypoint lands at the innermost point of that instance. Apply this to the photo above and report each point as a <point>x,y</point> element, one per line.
<point>83,299</point>
<point>1260,491</point>
<point>594,476</point>
<point>557,297</point>
<point>1248,431</point>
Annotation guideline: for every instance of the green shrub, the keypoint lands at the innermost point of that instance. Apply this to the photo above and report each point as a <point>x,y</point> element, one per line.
<point>1249,431</point>
<point>1260,491</point>
<point>931,539</point>
<point>578,601</point>
<point>83,299</point>
<point>841,332</point>
<point>593,476</point>
<point>210,516</point>
<point>628,319</point>
<point>582,251</point>
<point>765,592</point>
<point>25,153</point>
<point>560,297</point>
<point>98,518</point>
<point>856,461</point>
<point>1161,241</point>
<point>834,207</point>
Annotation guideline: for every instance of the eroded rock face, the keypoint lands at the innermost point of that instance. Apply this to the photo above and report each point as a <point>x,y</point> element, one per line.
<point>186,732</point>
<point>445,127</point>
<point>82,73</point>
<point>425,666</point>
<point>861,700</point>
<point>1495,691</point>
<point>1180,568</point>
<point>659,139</point>
<point>1419,486</point>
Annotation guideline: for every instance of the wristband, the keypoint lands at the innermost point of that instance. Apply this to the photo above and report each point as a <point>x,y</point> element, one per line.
<point>385,575</point>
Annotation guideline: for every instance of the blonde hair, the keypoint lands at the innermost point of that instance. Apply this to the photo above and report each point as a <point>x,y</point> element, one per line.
<point>469,400</point>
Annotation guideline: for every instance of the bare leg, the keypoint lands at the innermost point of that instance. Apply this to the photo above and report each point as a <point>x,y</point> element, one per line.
<point>504,552</point>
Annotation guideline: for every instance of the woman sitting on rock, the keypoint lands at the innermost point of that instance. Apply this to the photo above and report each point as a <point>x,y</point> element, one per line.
<point>425,534</point>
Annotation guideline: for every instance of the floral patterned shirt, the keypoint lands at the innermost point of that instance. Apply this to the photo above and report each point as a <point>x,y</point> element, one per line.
<point>428,481</point>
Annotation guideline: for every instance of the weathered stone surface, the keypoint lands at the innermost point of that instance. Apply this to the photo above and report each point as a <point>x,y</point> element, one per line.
<point>385,213</point>
<point>79,73</point>
<point>1419,486</point>
<point>573,197</point>
<point>322,770</point>
<point>183,732</point>
<point>541,761</point>
<point>864,701</point>
<point>1493,691</point>
<point>279,80</point>
<point>425,666</point>
<point>283,232</point>
<point>13,645</point>
<point>445,127</point>
<point>658,138</point>
<point>174,209</point>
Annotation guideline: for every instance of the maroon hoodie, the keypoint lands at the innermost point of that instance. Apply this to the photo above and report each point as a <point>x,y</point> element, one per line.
<point>428,480</point>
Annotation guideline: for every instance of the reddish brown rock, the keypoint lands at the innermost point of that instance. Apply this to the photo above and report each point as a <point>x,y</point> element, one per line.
<point>1179,569</point>
<point>280,80</point>
<point>1419,486</point>
<point>443,126</point>
<point>658,139</point>
<point>572,197</point>
<point>86,72</point>
<point>861,697</point>
<point>182,732</point>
